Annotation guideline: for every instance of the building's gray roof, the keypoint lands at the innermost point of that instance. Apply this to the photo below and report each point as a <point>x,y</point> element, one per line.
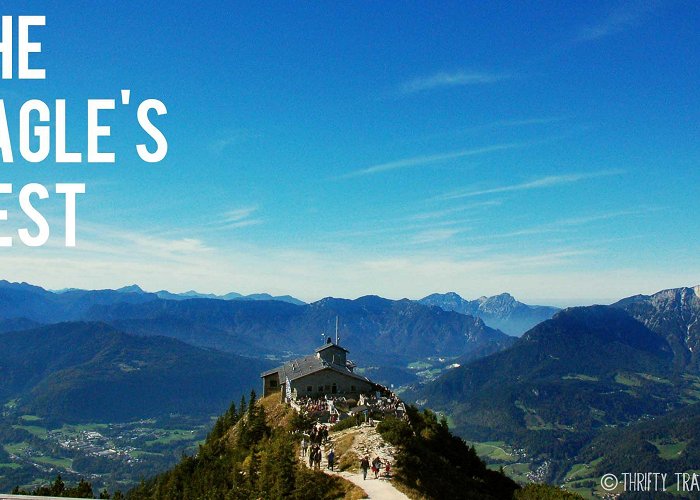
<point>307,365</point>
<point>270,371</point>
<point>326,346</point>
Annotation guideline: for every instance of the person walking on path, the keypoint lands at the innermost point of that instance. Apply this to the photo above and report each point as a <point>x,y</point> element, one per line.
<point>317,465</point>
<point>312,456</point>
<point>376,467</point>
<point>364,465</point>
<point>331,458</point>
<point>304,446</point>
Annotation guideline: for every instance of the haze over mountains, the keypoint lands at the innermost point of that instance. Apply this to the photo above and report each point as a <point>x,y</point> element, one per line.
<point>501,311</point>
<point>191,294</point>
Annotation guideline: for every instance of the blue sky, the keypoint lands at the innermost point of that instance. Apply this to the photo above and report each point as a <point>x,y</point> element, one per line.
<point>399,149</point>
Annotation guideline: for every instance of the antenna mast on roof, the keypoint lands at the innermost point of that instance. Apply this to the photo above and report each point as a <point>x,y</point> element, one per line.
<point>336,331</point>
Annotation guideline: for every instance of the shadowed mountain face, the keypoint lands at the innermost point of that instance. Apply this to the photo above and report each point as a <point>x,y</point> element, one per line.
<point>502,311</point>
<point>675,315</point>
<point>372,328</point>
<point>92,372</point>
<point>584,368</point>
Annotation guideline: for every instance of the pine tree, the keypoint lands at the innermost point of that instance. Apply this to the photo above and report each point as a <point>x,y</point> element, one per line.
<point>251,401</point>
<point>284,467</point>
<point>82,490</point>
<point>231,416</point>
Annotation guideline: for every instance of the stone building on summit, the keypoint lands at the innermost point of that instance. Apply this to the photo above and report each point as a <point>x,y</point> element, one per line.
<point>327,372</point>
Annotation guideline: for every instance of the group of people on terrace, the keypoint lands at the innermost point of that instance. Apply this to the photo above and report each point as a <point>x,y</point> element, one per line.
<point>310,405</point>
<point>386,405</point>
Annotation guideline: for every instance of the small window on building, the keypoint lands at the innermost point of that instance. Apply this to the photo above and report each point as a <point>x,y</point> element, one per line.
<point>334,389</point>
<point>309,388</point>
<point>352,388</point>
<point>273,383</point>
<point>320,388</point>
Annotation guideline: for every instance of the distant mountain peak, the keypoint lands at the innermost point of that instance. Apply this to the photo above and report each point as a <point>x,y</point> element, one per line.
<point>500,300</point>
<point>500,311</point>
<point>19,285</point>
<point>675,315</point>
<point>193,294</point>
<point>130,289</point>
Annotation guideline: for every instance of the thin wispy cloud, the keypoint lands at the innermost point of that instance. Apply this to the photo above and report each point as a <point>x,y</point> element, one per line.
<point>540,183</point>
<point>436,214</point>
<point>236,218</point>
<point>526,121</point>
<point>242,223</point>
<point>239,214</point>
<point>104,239</point>
<point>587,219</point>
<point>530,231</point>
<point>514,123</point>
<point>495,126</point>
<point>620,19</point>
<point>395,227</point>
<point>454,79</point>
<point>434,235</point>
<point>567,224</point>
<point>418,161</point>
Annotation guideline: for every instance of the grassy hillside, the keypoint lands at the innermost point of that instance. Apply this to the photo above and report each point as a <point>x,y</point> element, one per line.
<point>564,381</point>
<point>89,372</point>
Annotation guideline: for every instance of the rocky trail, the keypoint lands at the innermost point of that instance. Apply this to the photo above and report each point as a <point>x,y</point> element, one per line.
<point>350,445</point>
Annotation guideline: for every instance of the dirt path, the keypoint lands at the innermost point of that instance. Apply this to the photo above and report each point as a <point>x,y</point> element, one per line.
<point>380,489</point>
<point>365,441</point>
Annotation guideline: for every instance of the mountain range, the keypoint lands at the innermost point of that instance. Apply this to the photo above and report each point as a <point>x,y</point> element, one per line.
<point>569,378</point>
<point>576,378</point>
<point>191,294</point>
<point>501,311</point>
<point>374,329</point>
